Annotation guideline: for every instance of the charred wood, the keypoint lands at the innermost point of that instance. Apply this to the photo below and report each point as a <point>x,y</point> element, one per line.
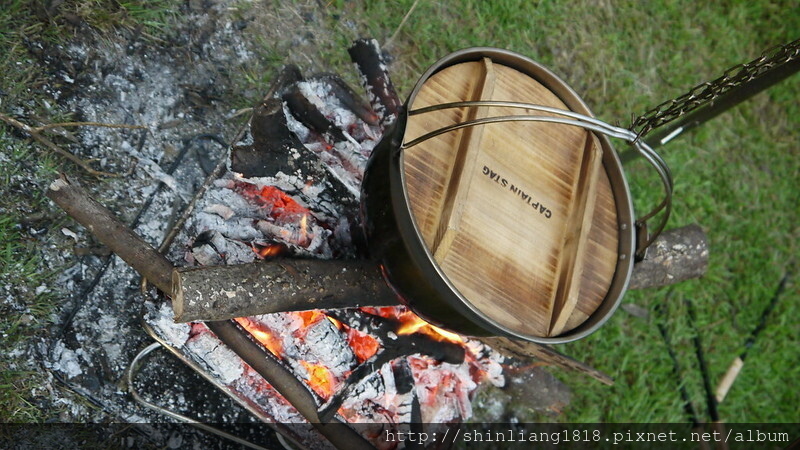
<point>284,381</point>
<point>517,349</point>
<point>273,144</point>
<point>289,75</point>
<point>348,98</point>
<point>366,55</point>
<point>309,115</point>
<point>394,347</point>
<point>275,149</point>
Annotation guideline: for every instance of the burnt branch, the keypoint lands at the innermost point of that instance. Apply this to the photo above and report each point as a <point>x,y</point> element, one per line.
<point>284,381</point>
<point>517,349</point>
<point>394,346</point>
<point>36,136</point>
<point>273,144</point>
<point>366,55</point>
<point>110,231</point>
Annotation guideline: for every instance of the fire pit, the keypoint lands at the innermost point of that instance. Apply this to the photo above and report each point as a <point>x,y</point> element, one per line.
<point>322,342</point>
<point>292,192</point>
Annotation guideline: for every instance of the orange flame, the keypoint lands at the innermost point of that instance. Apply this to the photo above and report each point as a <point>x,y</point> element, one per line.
<point>364,346</point>
<point>262,335</point>
<point>320,379</point>
<point>336,323</point>
<point>268,251</point>
<point>411,323</point>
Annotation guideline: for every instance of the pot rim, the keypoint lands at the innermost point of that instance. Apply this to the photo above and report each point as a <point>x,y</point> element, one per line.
<point>411,235</point>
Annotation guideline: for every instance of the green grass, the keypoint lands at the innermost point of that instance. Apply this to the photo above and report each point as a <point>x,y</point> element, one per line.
<point>21,273</point>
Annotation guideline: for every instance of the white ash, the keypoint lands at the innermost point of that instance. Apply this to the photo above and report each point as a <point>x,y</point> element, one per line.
<point>221,360</point>
<point>319,147</point>
<point>225,212</point>
<point>160,316</point>
<point>444,394</point>
<point>321,95</point>
<point>323,344</point>
<point>488,359</point>
<point>69,361</point>
<point>311,240</point>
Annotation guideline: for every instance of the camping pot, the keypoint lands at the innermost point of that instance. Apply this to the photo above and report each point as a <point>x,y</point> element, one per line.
<point>496,205</point>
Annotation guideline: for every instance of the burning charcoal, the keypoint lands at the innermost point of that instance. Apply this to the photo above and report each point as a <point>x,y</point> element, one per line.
<point>366,55</point>
<point>326,345</point>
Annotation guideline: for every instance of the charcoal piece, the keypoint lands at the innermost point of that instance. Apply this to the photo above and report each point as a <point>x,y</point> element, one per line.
<point>309,115</point>
<point>273,147</point>
<point>366,55</point>
<point>289,76</point>
<point>348,98</point>
<point>403,376</point>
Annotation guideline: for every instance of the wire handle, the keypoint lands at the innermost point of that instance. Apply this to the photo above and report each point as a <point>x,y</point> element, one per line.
<point>574,119</point>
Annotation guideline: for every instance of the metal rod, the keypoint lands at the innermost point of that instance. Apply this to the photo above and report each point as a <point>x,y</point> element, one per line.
<point>727,100</point>
<point>733,371</point>
<point>340,434</point>
<point>677,370</point>
<point>130,375</point>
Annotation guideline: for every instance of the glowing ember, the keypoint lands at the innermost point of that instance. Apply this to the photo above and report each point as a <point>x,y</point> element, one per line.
<point>282,207</point>
<point>310,317</point>
<point>268,251</point>
<point>263,335</point>
<point>320,379</point>
<point>364,346</point>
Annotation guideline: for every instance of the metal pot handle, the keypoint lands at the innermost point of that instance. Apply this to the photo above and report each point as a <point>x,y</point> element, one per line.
<point>644,238</point>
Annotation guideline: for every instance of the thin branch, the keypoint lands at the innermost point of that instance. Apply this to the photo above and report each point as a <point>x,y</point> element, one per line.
<point>402,22</point>
<point>86,124</point>
<point>34,133</point>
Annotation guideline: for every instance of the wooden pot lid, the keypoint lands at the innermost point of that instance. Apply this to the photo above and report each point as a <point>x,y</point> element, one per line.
<point>519,216</point>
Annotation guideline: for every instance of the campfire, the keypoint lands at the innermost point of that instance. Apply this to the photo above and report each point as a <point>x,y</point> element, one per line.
<point>322,341</point>
<point>372,364</point>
